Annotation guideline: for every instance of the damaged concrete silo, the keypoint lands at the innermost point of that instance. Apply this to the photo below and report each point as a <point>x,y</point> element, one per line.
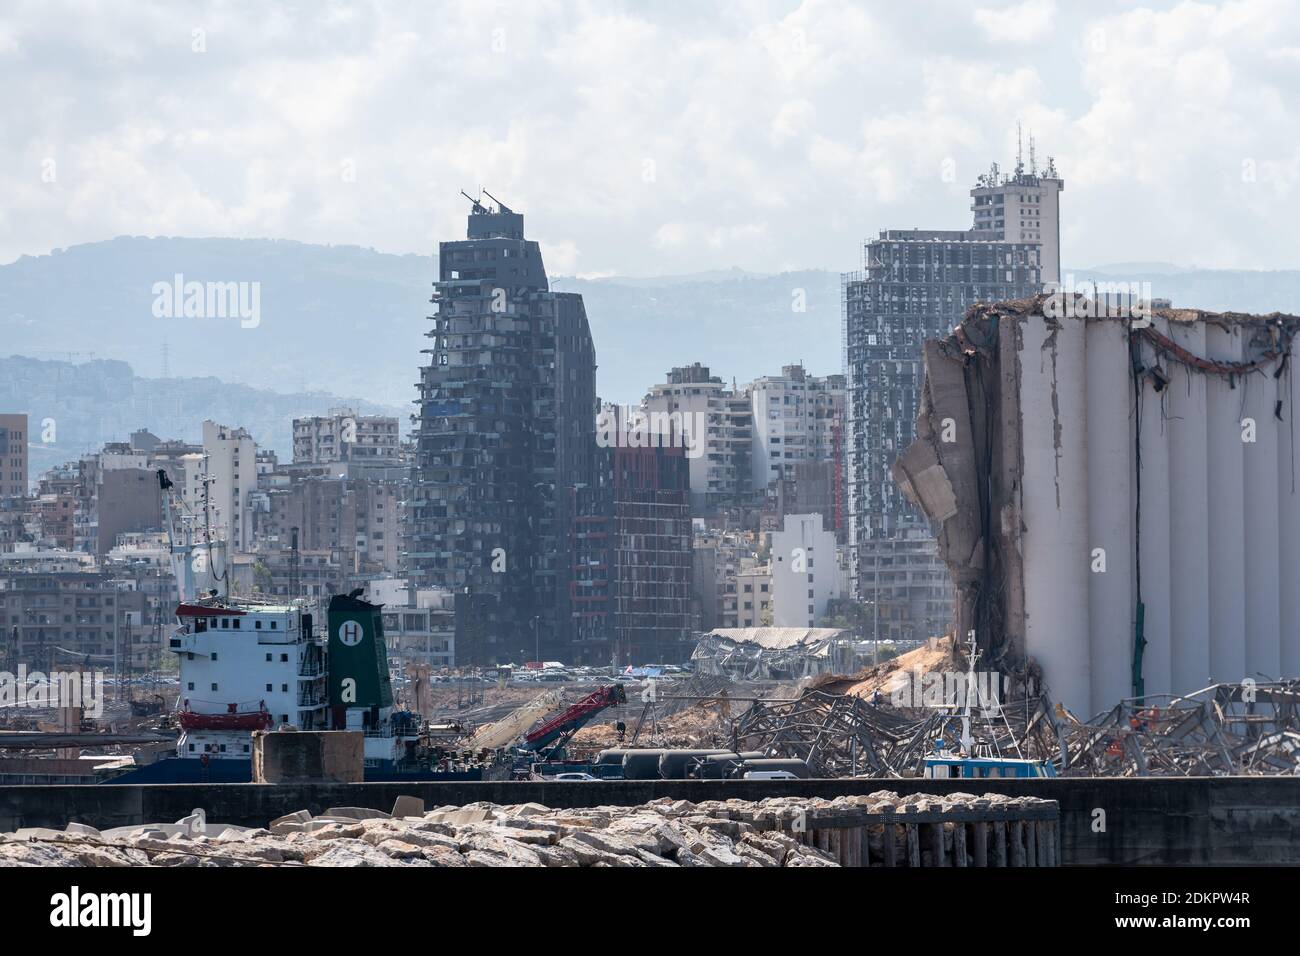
<point>1116,495</point>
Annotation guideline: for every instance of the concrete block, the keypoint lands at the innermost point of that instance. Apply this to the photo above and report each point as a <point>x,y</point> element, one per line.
<point>308,756</point>
<point>299,817</point>
<point>38,833</point>
<point>356,813</point>
<point>458,818</point>
<point>406,806</point>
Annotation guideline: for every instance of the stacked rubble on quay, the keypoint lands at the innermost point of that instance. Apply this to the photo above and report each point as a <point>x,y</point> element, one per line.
<point>877,829</point>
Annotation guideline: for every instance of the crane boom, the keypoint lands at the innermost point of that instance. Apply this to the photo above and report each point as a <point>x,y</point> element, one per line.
<point>553,734</point>
<point>512,726</point>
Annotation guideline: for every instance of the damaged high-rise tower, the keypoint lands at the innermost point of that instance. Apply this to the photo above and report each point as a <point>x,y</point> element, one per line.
<point>916,285</point>
<point>506,428</point>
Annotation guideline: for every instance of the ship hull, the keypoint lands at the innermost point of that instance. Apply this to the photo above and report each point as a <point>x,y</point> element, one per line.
<point>189,770</point>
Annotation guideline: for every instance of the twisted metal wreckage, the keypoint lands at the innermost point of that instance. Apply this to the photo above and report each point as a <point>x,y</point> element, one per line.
<point>1224,729</point>
<point>767,653</point>
<point>967,472</point>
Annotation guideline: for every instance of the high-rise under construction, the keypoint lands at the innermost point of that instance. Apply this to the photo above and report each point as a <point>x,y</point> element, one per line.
<point>506,426</point>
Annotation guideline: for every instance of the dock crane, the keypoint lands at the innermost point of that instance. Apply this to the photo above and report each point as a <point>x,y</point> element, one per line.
<point>548,739</point>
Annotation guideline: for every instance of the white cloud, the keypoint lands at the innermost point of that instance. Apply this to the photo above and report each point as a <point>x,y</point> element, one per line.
<point>792,119</point>
<point>1026,22</point>
<point>649,138</point>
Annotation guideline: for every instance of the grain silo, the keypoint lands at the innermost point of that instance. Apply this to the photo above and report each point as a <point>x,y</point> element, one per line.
<point>1116,493</point>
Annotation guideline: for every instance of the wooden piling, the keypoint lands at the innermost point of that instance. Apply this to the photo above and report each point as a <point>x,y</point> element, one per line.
<point>981,843</point>
<point>1041,828</point>
<point>1017,840</point>
<point>1025,834</point>
<point>936,845</point>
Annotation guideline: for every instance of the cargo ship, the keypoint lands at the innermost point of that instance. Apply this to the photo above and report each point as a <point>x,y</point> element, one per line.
<point>248,665</point>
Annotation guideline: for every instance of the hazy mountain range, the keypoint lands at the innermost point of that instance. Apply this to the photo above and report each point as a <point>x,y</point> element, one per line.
<point>345,321</point>
<point>76,408</point>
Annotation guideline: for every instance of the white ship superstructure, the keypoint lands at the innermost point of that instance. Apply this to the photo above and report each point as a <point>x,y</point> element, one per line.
<point>245,666</point>
<point>248,665</point>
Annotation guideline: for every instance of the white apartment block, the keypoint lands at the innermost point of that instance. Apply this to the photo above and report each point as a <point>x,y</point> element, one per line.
<point>343,435</point>
<point>754,597</point>
<point>805,571</point>
<point>1023,208</point>
<point>795,416</point>
<point>231,462</point>
<point>418,626</point>
<point>721,470</point>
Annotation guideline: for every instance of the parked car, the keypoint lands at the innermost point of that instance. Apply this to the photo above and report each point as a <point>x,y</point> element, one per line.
<point>573,776</point>
<point>770,775</point>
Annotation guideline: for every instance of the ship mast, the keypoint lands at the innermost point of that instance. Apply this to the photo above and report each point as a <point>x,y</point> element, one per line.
<point>179,545</point>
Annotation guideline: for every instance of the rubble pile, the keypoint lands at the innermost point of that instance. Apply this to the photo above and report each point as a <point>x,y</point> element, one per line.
<point>786,831</point>
<point>692,713</point>
<point>698,726</point>
<point>892,675</point>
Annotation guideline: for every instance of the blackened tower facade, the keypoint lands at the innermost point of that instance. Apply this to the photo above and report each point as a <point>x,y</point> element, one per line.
<point>506,427</point>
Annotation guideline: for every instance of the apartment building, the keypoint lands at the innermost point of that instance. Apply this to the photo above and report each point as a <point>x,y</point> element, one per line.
<point>797,420</point>
<point>720,469</point>
<point>13,455</point>
<point>344,435</point>
<point>506,428</point>
<point>805,571</point>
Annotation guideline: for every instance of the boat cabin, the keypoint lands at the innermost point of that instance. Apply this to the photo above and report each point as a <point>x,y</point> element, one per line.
<point>954,766</point>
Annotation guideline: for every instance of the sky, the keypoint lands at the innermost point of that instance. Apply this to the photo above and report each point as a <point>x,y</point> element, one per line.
<point>655,138</point>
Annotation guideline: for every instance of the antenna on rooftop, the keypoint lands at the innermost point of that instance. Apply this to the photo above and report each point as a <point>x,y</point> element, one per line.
<point>501,207</point>
<point>1020,166</point>
<point>1033,161</point>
